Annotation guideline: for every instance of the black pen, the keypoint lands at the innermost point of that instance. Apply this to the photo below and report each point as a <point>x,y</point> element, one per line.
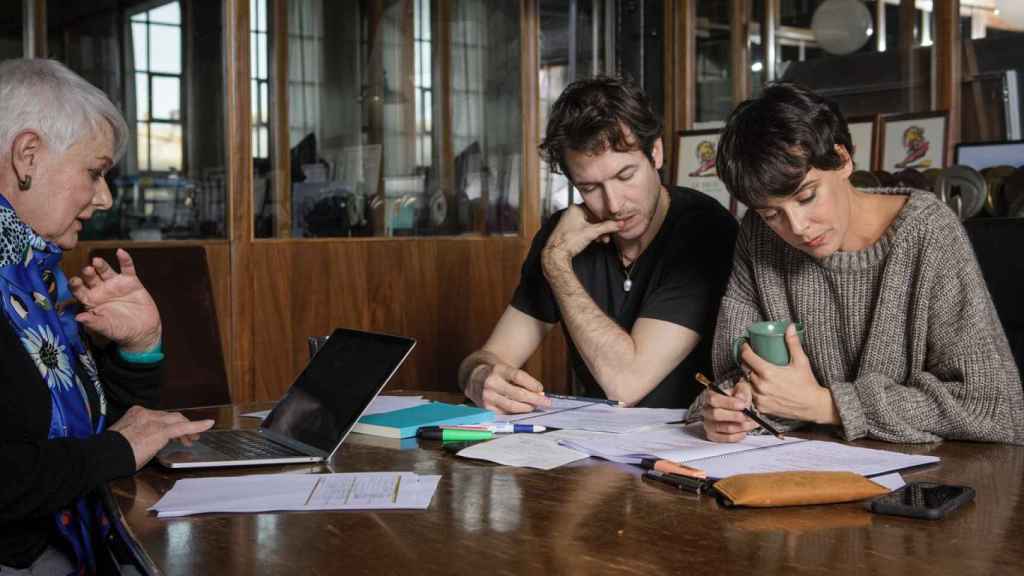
<point>749,411</point>
<point>695,485</point>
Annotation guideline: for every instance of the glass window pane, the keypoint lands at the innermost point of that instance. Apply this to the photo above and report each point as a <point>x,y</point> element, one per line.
<point>253,16</point>
<point>261,21</point>
<point>90,40</point>
<point>142,96</point>
<point>367,110</point>
<point>264,103</point>
<point>254,94</point>
<point>295,59</point>
<point>142,148</point>
<point>264,140</point>
<point>261,55</point>
<point>312,50</point>
<point>166,57</point>
<point>165,145</point>
<point>166,98</point>
<point>254,64</point>
<point>141,54</point>
<point>167,14</point>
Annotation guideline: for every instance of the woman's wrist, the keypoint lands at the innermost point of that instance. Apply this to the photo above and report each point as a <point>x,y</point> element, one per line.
<point>148,353</point>
<point>143,345</point>
<point>827,412</point>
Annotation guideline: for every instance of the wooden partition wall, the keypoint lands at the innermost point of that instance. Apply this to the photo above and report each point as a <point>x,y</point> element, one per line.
<point>447,293</point>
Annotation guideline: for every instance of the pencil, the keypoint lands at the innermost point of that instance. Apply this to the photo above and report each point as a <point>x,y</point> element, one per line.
<point>750,411</point>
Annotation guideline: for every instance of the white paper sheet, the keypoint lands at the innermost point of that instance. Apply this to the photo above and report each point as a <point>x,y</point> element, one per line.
<point>811,455</point>
<point>571,415</point>
<point>892,481</point>
<point>380,404</point>
<point>540,451</point>
<point>270,492</point>
<point>677,443</point>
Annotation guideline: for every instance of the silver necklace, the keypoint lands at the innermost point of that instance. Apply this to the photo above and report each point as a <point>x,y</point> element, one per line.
<point>627,284</point>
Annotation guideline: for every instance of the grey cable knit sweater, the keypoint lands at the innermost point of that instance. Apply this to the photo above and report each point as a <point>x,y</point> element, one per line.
<point>904,332</point>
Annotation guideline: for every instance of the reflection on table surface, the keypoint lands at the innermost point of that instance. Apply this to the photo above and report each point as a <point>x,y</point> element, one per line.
<point>587,518</point>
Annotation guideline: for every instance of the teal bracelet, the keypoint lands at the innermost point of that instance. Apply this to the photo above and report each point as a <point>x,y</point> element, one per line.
<point>151,356</point>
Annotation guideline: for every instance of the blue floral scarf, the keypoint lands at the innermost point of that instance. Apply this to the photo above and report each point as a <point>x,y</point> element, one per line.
<point>34,290</point>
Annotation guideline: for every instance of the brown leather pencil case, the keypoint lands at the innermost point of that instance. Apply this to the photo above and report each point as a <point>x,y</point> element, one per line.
<point>771,489</point>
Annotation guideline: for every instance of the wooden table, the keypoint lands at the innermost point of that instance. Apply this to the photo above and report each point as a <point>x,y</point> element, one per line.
<point>591,517</point>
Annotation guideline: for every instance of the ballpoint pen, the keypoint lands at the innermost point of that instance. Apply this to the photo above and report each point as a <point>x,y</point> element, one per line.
<point>583,399</point>
<point>751,413</point>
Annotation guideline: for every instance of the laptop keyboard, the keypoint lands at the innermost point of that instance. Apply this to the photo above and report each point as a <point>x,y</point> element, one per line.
<point>245,445</point>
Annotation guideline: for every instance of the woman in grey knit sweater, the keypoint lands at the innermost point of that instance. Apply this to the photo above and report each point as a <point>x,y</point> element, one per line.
<point>902,342</point>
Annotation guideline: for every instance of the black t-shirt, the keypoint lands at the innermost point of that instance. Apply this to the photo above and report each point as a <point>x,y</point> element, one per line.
<point>680,278</point>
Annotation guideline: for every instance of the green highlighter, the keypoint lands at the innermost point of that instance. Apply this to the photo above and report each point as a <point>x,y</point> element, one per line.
<point>450,435</point>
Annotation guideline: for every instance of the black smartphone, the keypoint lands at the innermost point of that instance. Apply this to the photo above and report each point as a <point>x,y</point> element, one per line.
<point>923,500</point>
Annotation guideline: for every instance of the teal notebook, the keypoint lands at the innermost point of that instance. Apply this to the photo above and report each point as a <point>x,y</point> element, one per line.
<point>404,423</point>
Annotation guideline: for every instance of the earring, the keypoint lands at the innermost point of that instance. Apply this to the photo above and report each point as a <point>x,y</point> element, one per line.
<point>25,184</point>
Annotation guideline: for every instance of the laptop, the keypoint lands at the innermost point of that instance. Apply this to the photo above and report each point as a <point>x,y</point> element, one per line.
<point>316,414</point>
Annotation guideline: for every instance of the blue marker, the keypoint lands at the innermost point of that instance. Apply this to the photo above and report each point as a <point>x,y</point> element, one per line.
<point>509,427</point>
<point>501,428</point>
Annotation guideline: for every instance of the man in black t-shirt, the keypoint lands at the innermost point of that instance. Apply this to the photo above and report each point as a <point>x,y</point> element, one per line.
<point>634,274</point>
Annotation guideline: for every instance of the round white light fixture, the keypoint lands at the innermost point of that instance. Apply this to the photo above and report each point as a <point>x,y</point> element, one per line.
<point>842,26</point>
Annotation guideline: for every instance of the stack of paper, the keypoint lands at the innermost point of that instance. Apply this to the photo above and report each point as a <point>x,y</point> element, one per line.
<point>752,455</point>
<point>597,417</point>
<point>268,492</point>
<point>677,444</point>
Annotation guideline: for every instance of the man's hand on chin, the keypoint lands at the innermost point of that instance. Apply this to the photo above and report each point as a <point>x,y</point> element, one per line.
<point>571,236</point>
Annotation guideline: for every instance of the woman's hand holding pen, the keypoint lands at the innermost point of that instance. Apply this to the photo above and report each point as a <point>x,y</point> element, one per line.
<point>789,391</point>
<point>724,420</point>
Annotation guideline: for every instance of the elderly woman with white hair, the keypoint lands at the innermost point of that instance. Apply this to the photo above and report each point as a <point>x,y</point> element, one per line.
<point>59,136</point>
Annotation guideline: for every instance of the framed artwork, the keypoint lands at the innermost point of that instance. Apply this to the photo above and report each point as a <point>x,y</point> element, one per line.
<point>695,164</point>
<point>914,141</point>
<point>864,131</point>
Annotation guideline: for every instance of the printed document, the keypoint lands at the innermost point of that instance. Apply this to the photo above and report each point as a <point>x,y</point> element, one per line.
<point>271,492</point>
<point>540,451</point>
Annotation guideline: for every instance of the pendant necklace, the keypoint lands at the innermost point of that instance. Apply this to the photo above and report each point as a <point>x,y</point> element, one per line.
<point>627,284</point>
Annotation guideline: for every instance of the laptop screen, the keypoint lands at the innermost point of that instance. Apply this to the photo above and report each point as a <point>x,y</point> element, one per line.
<point>336,387</point>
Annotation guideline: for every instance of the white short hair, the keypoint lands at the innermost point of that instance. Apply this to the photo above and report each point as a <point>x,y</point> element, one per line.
<point>44,95</point>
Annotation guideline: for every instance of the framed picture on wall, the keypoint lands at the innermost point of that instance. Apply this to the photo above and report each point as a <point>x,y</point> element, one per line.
<point>695,164</point>
<point>914,141</point>
<point>864,131</point>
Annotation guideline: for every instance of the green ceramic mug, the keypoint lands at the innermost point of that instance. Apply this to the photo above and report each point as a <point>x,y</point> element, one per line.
<point>768,339</point>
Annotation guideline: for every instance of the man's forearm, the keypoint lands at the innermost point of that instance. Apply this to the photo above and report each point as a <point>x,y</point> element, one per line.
<point>606,348</point>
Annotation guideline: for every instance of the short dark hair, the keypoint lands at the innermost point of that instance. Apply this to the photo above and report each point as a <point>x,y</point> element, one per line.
<point>590,116</point>
<point>771,142</point>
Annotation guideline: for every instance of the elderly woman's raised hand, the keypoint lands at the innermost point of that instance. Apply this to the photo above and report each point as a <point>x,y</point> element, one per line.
<point>116,305</point>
